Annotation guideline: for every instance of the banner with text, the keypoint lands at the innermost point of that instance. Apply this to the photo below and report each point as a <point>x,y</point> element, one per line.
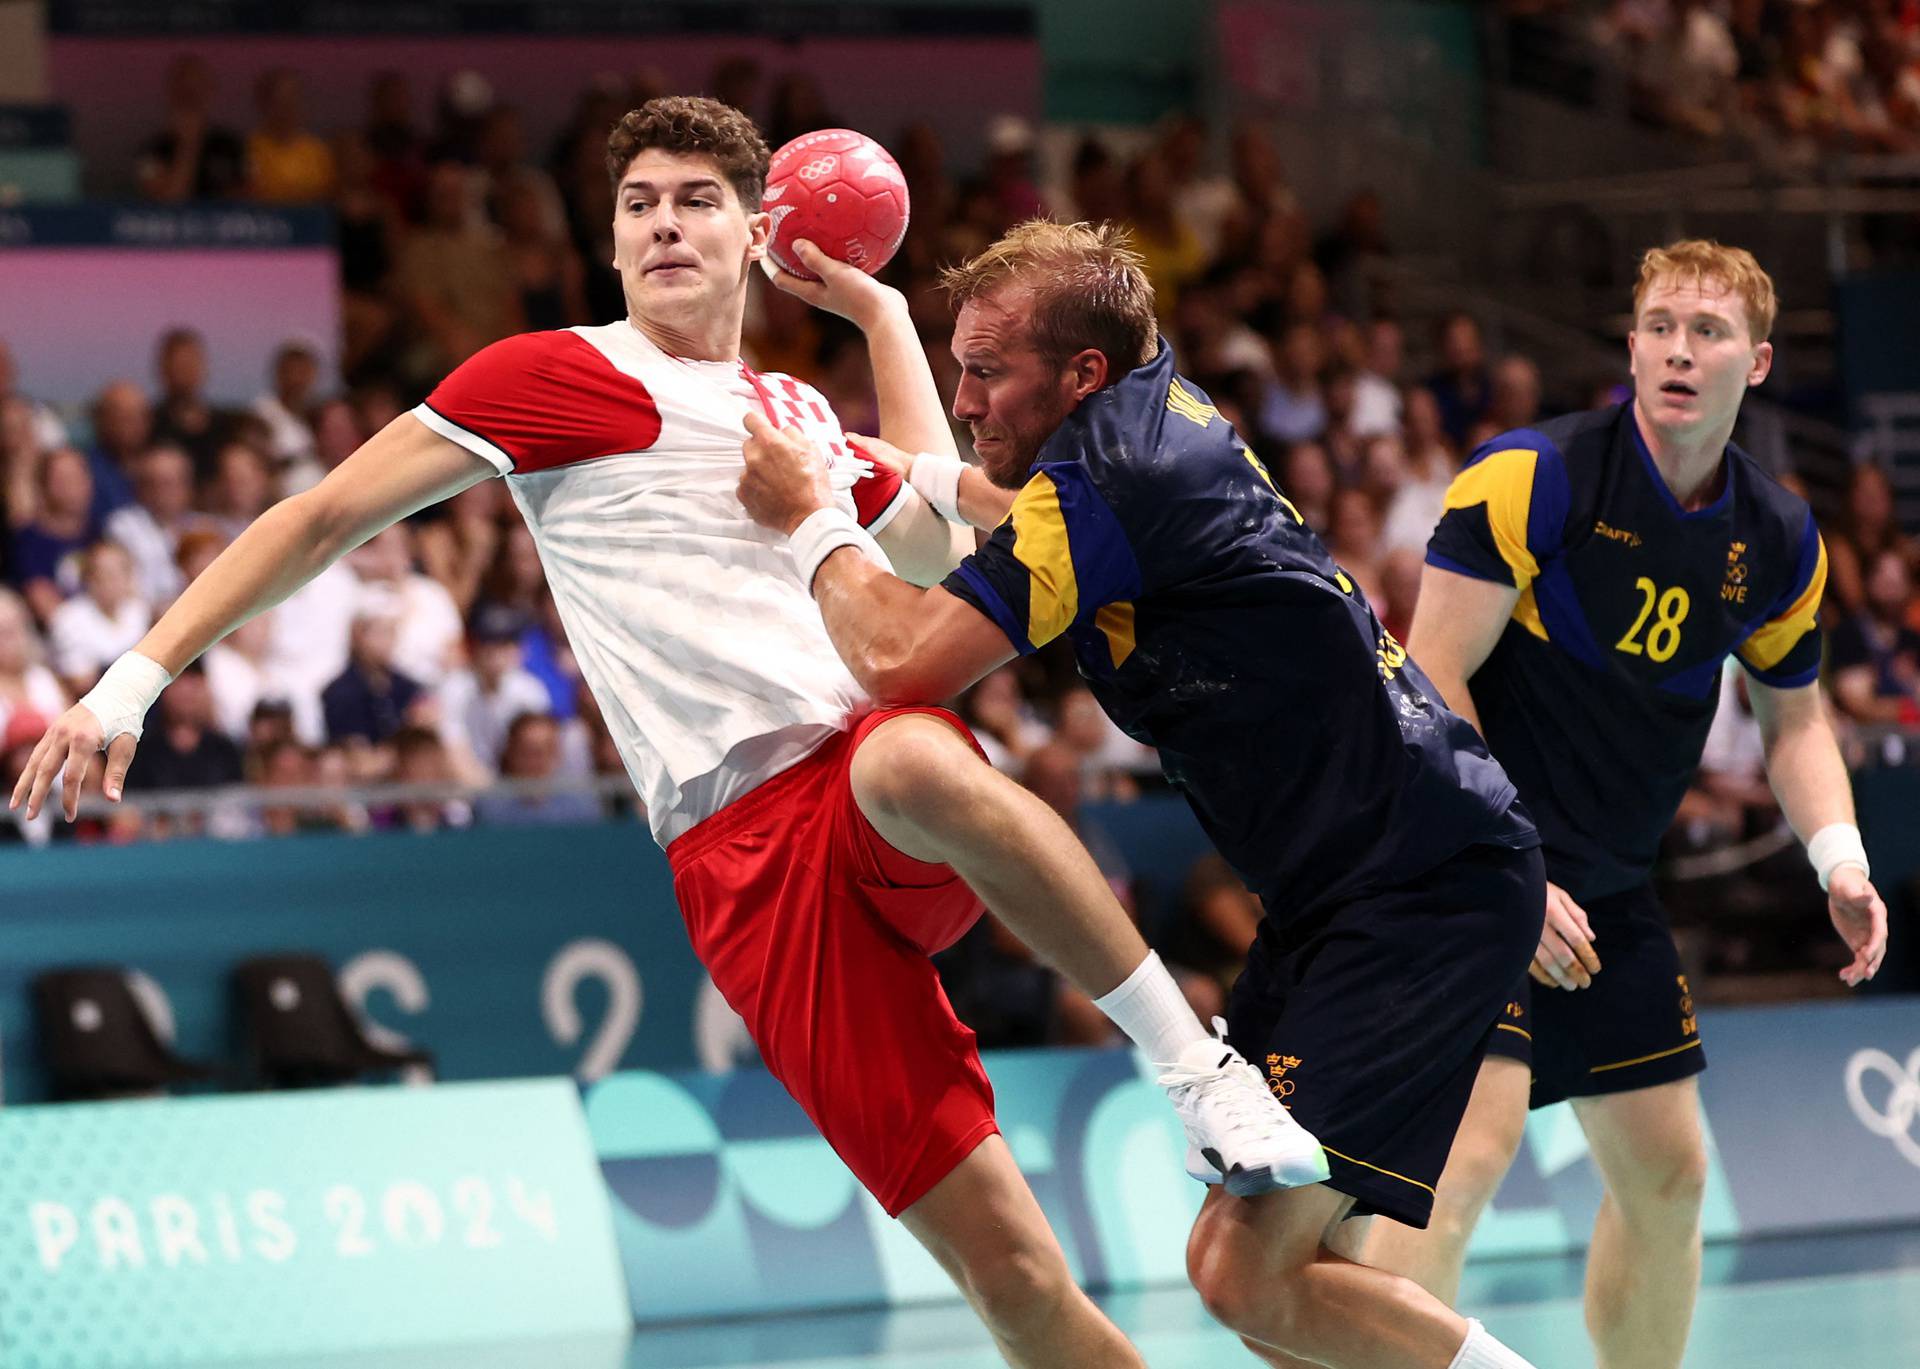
<point>338,1222</point>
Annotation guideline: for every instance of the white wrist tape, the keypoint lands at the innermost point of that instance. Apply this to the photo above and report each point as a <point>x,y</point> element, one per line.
<point>1837,844</point>
<point>825,532</point>
<point>937,478</point>
<point>124,694</point>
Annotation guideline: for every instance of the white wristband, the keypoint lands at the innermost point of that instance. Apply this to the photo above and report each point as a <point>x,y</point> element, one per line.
<point>124,694</point>
<point>937,478</point>
<point>1837,844</point>
<point>824,532</point>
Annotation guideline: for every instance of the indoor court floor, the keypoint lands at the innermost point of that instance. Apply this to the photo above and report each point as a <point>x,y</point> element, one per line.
<point>1851,1301</point>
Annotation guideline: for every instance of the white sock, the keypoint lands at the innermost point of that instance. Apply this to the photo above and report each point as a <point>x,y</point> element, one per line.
<point>1149,1007</point>
<point>1482,1351</point>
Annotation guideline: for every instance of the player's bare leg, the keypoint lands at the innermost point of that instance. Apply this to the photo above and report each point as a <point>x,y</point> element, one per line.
<point>1483,1150</point>
<point>1280,1272</point>
<point>929,795</point>
<point>985,1228</point>
<point>1643,1271</point>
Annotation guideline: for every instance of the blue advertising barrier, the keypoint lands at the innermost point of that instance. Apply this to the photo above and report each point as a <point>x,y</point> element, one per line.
<point>336,1222</point>
<point>1812,1114</point>
<point>506,952</point>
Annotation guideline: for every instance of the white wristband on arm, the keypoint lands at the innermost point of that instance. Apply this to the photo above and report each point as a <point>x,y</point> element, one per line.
<point>124,694</point>
<point>1837,844</point>
<point>824,532</point>
<point>937,478</point>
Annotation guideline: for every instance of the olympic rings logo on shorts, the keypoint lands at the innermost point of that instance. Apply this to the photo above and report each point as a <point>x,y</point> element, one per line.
<point>1895,1119</point>
<point>818,167</point>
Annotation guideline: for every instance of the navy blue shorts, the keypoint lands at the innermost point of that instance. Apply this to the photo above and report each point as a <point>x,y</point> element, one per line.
<point>1370,1018</point>
<point>1634,1027</point>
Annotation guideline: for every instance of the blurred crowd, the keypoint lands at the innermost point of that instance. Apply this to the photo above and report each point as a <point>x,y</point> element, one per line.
<point>1799,76</point>
<point>434,653</point>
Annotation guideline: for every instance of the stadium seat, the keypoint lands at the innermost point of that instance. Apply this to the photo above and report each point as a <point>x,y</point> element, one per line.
<point>296,1030</point>
<point>96,1041</point>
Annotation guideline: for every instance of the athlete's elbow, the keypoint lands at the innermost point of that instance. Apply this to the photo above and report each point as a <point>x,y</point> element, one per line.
<point>901,676</point>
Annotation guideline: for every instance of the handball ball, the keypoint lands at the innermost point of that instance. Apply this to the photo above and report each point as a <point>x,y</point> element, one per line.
<point>842,192</point>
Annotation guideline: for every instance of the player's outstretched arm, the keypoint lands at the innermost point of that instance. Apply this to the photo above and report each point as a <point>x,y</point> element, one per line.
<point>1457,620</point>
<point>902,643</point>
<point>404,467</point>
<point>1810,780</point>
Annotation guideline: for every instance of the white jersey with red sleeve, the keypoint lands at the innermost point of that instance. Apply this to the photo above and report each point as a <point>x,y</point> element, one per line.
<point>705,652</point>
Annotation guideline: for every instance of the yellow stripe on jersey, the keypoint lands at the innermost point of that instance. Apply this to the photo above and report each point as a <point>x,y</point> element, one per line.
<point>1771,644</point>
<point>1116,620</point>
<point>1527,614</point>
<point>1189,407</point>
<point>1503,481</point>
<point>1040,544</point>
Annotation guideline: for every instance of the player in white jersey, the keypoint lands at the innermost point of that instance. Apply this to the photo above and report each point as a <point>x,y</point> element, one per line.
<point>821,847</point>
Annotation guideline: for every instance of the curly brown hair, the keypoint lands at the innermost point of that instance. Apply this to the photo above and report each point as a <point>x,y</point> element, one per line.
<point>696,126</point>
<point>1089,288</point>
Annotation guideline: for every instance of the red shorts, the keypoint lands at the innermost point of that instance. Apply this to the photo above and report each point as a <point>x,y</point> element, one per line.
<point>818,932</point>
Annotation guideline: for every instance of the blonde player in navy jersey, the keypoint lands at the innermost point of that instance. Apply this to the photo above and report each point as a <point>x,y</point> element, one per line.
<point>822,846</point>
<point>1583,591</point>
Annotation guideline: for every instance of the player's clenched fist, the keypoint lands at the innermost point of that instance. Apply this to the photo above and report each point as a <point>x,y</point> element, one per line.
<point>786,478</point>
<point>1566,957</point>
<point>69,747</point>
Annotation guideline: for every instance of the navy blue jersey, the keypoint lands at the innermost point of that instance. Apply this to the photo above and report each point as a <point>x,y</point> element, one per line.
<point>1211,624</point>
<point>1598,696</point>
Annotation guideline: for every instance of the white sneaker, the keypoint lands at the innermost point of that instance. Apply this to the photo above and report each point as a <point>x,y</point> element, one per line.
<point>1237,1132</point>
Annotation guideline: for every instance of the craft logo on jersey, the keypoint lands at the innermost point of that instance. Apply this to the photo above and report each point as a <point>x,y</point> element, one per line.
<point>1734,591</point>
<point>1613,534</point>
<point>1277,1067</point>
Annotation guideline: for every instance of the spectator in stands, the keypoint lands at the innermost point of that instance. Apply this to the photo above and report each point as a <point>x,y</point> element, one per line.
<point>242,488</point>
<point>191,157</point>
<point>1007,179</point>
<point>1515,398</point>
<point>1461,386</point>
<point>45,563</point>
<point>1295,409</point>
<point>285,764</point>
<point>370,700</point>
<point>456,278</point>
<point>1377,404</point>
<point>532,752</point>
<point>392,139</point>
<point>428,629</point>
<point>479,703</point>
<point>1008,729</point>
<point>1414,509</point>
<point>1057,773</point>
<point>28,689</point>
<point>198,549</point>
<point>187,748</point>
<point>284,406</point>
<point>1171,248</point>
<point>21,456</point>
<point>242,673</point>
<point>1874,654</point>
<point>1219,917</point>
<point>183,416</point>
<point>1110,761</point>
<point>1867,528</point>
<point>1203,199</point>
<point>420,757</point>
<point>89,631</point>
<point>1351,256</point>
<point>459,548</point>
<point>151,527</point>
<point>286,162</point>
<point>551,283</point>
<point>516,577</point>
<point>502,169</point>
<point>798,107</point>
<point>1730,799</point>
<point>368,228</point>
<point>1354,540</point>
<point>122,431</point>
<point>39,422</point>
<point>1306,477</point>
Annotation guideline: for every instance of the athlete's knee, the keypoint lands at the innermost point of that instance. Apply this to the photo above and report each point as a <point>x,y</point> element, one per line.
<point>1666,1182</point>
<point>911,771</point>
<point>1238,1289</point>
<point>1018,1284</point>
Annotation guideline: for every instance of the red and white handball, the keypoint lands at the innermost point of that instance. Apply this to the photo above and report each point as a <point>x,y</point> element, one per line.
<point>841,191</point>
